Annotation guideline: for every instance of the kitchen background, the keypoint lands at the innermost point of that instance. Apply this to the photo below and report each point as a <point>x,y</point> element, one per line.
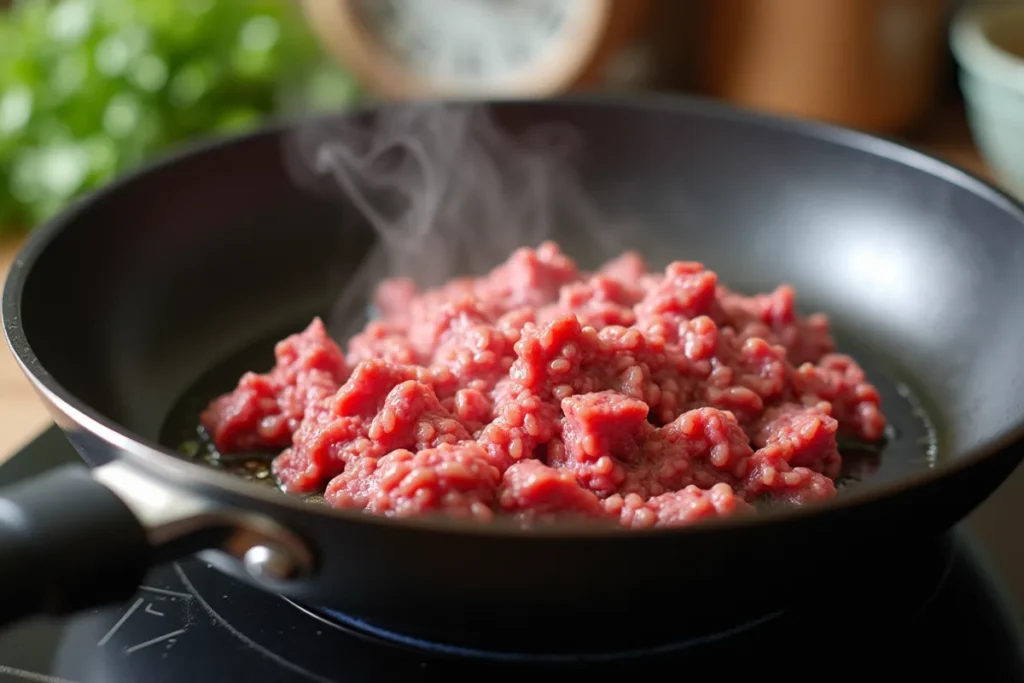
<point>92,88</point>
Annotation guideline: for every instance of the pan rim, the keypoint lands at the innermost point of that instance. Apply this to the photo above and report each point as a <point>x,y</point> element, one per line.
<point>156,458</point>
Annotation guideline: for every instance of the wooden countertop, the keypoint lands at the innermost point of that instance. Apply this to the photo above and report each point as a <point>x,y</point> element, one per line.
<point>22,415</point>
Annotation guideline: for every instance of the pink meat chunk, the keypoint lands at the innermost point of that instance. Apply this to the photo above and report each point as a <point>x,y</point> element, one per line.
<point>601,432</point>
<point>380,408</point>
<point>600,301</point>
<point>687,291</point>
<point>523,423</point>
<point>746,375</point>
<point>563,358</point>
<point>629,267</point>
<point>773,317</point>
<point>382,341</point>
<point>537,493</point>
<point>677,508</point>
<point>453,480</point>
<point>264,410</point>
<point>530,277</point>
<point>771,478</point>
<point>701,447</point>
<point>476,354</point>
<point>838,380</point>
<point>803,436</point>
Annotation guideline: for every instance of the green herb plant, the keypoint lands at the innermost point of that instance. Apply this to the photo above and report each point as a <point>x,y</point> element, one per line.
<point>90,88</point>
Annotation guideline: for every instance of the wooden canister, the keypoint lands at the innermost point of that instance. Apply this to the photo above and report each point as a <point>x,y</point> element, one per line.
<point>869,64</point>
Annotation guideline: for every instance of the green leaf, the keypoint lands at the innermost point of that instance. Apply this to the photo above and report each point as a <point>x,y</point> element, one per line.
<point>91,88</point>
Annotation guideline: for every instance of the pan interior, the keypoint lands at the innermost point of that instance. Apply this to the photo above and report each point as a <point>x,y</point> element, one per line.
<point>144,288</point>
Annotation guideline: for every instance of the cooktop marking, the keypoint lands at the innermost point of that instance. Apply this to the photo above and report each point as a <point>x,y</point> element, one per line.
<point>120,623</point>
<point>273,656</point>
<point>164,591</point>
<point>154,641</point>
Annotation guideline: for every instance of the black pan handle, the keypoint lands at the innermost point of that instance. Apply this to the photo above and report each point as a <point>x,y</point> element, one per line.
<point>74,538</point>
<point>67,542</point>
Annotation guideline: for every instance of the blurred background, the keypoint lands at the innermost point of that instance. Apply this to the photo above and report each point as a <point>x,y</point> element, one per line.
<point>90,89</point>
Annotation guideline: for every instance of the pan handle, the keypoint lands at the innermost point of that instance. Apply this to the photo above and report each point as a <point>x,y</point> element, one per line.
<point>74,538</point>
<point>67,543</point>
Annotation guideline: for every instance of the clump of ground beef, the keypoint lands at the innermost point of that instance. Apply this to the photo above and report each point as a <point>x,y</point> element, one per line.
<point>542,392</point>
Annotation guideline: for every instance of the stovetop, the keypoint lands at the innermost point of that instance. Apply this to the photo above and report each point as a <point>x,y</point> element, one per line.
<point>188,622</point>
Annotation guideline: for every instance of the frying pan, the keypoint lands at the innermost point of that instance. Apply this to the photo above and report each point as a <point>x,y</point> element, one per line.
<point>116,307</point>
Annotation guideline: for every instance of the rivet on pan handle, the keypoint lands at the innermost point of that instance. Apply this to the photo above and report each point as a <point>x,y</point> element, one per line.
<point>179,523</point>
<point>71,539</point>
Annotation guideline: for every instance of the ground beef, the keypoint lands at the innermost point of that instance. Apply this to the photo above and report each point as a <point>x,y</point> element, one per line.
<point>803,436</point>
<point>838,380</point>
<point>773,317</point>
<point>677,508</point>
<point>265,410</point>
<point>535,493</point>
<point>542,392</point>
<point>700,448</point>
<point>772,479</point>
<point>381,408</point>
<point>455,480</point>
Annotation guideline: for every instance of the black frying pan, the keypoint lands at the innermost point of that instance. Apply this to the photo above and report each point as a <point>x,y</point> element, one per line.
<point>118,306</point>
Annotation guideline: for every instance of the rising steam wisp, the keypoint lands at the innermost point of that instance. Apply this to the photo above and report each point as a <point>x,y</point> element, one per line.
<point>449,192</point>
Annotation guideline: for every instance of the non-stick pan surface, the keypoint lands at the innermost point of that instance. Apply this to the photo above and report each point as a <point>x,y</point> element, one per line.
<point>120,306</point>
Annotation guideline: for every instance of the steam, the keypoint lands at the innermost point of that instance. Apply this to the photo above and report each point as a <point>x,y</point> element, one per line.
<point>448,193</point>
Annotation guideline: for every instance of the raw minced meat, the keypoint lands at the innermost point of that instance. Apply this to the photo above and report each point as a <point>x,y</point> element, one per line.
<point>687,505</point>
<point>542,392</point>
<point>454,479</point>
<point>265,409</point>
<point>535,492</point>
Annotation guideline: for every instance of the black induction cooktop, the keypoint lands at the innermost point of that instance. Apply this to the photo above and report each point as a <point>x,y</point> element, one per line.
<point>949,613</point>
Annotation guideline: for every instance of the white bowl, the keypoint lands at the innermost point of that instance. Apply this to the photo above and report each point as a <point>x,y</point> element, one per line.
<point>988,43</point>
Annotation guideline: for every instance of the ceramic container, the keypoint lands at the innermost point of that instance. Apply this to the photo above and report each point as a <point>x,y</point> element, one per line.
<point>988,42</point>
